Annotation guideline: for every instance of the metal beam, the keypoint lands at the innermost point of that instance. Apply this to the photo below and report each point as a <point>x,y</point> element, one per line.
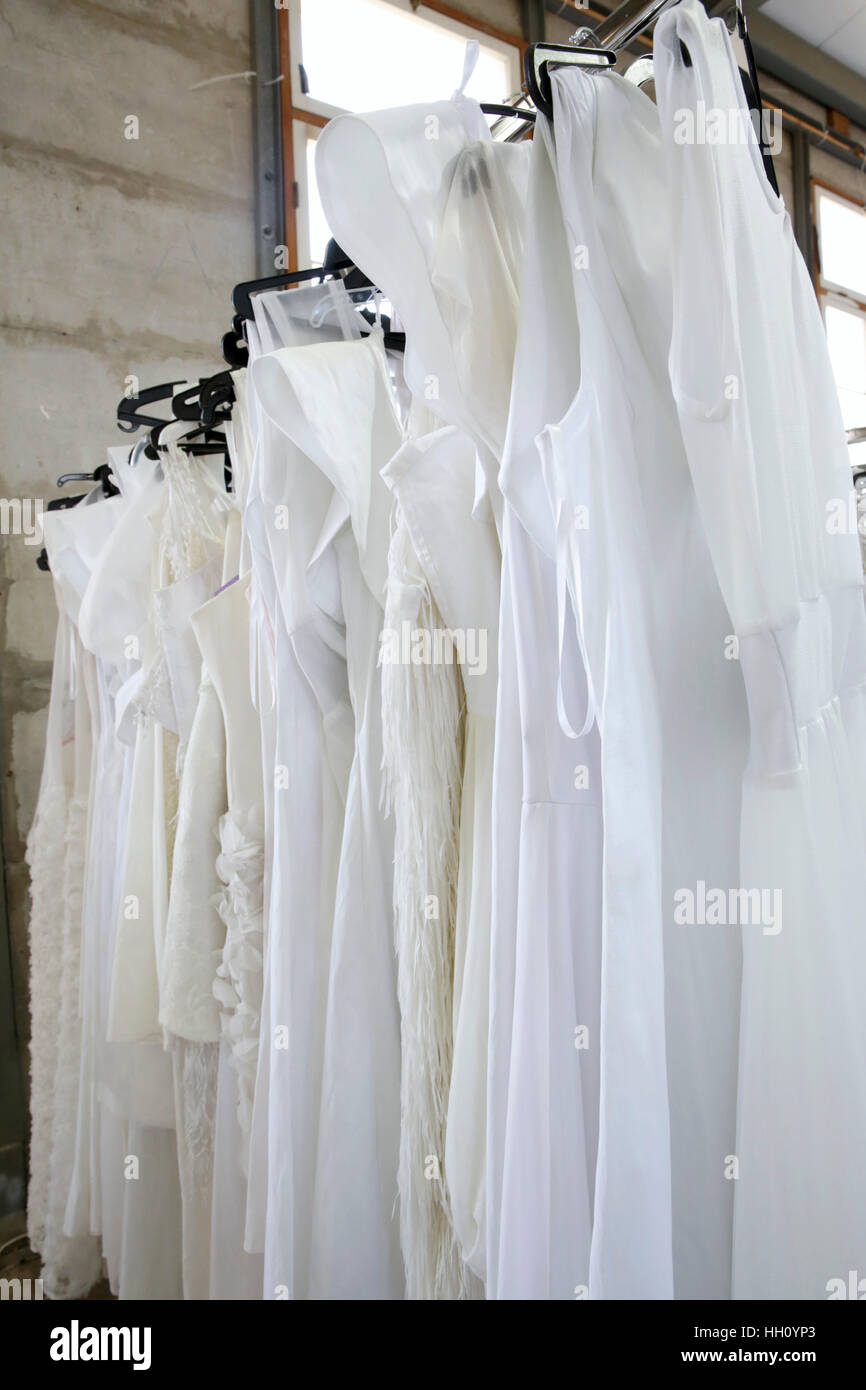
<point>801,213</point>
<point>267,134</point>
<point>532,20</point>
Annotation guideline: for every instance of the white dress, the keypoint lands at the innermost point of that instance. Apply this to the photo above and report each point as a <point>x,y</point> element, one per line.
<point>334,403</point>
<point>55,854</point>
<point>164,1114</point>
<point>303,696</point>
<point>760,418</point>
<point>670,711</point>
<point>435,221</point>
<point>542,1087</point>
<point>458,566</point>
<point>222,630</point>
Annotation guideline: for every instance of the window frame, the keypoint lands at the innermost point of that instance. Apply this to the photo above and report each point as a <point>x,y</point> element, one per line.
<point>828,292</point>
<point>823,285</point>
<point>299,109</point>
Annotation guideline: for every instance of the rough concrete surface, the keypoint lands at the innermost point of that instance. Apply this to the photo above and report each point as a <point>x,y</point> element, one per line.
<point>119,257</point>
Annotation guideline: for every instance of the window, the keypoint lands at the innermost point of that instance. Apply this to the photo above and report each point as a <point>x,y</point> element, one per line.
<point>841,226</point>
<point>356,55</point>
<point>359,55</point>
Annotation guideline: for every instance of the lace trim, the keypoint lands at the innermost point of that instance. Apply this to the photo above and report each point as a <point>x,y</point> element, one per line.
<point>45,855</point>
<point>71,1265</point>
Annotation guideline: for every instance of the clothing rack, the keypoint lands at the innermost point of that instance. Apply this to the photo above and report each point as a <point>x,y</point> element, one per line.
<point>623,25</point>
<point>597,49</point>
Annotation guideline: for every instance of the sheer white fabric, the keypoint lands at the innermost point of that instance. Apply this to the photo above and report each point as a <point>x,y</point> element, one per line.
<point>759,415</point>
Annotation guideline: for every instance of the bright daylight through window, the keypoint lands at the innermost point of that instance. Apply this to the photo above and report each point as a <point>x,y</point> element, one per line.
<point>842,248</point>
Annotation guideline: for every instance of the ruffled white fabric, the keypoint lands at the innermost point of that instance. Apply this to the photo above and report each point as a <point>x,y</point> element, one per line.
<point>239,979</point>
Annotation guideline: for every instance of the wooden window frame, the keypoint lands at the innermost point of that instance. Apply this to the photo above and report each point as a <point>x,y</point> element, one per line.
<point>828,292</point>
<point>825,288</point>
<point>292,115</point>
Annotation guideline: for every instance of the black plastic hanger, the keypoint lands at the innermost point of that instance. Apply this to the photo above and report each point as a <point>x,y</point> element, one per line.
<point>233,345</point>
<point>752,90</point>
<point>216,398</point>
<point>540,57</point>
<point>242,294</point>
<point>101,475</point>
<point>59,504</point>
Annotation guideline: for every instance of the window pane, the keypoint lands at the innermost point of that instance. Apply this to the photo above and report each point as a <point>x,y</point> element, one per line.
<point>846,339</point>
<point>317,227</point>
<point>363,55</point>
<point>842,230</point>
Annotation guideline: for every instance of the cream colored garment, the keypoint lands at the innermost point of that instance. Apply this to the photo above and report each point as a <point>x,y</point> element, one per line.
<point>432,478</point>
<point>188,525</point>
<point>222,631</point>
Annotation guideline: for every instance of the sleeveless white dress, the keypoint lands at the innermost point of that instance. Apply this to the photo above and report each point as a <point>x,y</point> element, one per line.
<point>760,419</point>
<point>670,713</point>
<point>542,1089</point>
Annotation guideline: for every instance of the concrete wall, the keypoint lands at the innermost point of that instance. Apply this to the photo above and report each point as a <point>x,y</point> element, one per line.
<point>119,256</point>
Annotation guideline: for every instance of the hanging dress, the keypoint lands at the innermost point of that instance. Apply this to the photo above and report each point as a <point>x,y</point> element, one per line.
<point>456,564</point>
<point>760,418</point>
<point>426,202</point>
<point>334,402</point>
<point>670,713</point>
<point>188,526</point>
<point>303,687</point>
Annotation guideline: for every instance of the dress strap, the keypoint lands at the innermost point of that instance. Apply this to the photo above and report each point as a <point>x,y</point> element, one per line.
<point>568,561</point>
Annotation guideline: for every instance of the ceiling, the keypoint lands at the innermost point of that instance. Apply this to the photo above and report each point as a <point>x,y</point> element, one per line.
<point>836,27</point>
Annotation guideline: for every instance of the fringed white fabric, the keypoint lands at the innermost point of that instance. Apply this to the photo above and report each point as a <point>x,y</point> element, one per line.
<point>422,722</point>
